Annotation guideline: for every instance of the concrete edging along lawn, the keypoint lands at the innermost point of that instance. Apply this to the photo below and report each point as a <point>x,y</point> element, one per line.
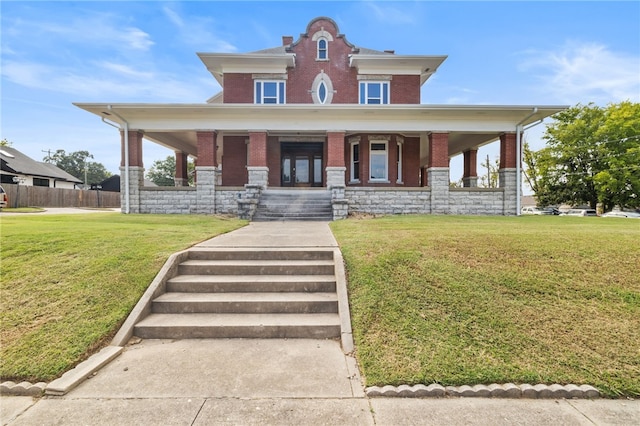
<point>508,390</point>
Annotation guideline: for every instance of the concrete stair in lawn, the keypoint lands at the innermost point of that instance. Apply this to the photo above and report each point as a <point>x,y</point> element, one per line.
<point>247,293</point>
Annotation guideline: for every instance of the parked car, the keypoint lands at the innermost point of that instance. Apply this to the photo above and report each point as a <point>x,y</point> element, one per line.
<point>4,200</point>
<point>581,212</point>
<point>618,213</point>
<point>553,210</point>
<point>535,210</point>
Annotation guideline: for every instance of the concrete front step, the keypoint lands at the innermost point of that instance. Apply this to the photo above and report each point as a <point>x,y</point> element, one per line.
<point>251,303</point>
<point>251,283</point>
<point>294,205</point>
<point>256,267</point>
<point>247,293</point>
<point>210,325</point>
<point>253,254</point>
<point>281,218</point>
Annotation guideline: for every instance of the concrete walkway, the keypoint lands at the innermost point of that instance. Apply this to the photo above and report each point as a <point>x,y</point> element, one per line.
<point>274,381</point>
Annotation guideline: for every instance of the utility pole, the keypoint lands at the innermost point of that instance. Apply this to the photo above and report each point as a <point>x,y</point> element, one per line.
<point>488,172</point>
<point>48,157</point>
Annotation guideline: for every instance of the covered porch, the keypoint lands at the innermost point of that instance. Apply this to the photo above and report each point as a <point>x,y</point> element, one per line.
<point>365,155</point>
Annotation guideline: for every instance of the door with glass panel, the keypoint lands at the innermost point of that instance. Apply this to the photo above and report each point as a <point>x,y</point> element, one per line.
<point>301,164</point>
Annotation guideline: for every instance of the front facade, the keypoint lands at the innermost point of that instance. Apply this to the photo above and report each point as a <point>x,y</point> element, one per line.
<point>321,113</point>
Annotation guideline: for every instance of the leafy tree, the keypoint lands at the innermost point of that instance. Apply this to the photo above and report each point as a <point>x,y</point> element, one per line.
<point>75,164</point>
<point>592,156</point>
<point>5,142</point>
<point>162,172</point>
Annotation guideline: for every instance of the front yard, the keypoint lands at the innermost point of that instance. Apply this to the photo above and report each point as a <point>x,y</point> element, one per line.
<point>467,300</point>
<point>447,299</point>
<point>69,281</point>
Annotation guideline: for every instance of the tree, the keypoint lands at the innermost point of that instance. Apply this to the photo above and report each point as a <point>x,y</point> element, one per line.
<point>76,164</point>
<point>162,172</point>
<point>5,142</point>
<point>592,156</point>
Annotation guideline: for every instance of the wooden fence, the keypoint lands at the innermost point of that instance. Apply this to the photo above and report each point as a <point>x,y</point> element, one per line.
<point>40,196</point>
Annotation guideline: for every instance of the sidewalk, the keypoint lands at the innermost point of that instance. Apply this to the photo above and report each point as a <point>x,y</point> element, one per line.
<point>274,381</point>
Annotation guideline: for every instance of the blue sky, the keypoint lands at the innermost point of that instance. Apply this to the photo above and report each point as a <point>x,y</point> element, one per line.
<point>505,53</point>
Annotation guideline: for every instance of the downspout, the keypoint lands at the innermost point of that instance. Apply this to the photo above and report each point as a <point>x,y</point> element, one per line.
<point>519,160</point>
<point>126,159</point>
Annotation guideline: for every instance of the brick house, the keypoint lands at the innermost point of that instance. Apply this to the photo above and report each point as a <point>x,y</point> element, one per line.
<point>322,114</point>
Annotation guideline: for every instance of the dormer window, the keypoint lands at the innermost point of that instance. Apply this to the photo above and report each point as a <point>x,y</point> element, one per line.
<point>269,92</point>
<point>323,49</point>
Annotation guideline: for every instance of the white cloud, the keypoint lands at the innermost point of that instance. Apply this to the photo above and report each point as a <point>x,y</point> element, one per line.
<point>392,15</point>
<point>125,70</point>
<point>95,29</point>
<point>583,73</point>
<point>109,82</point>
<point>198,33</point>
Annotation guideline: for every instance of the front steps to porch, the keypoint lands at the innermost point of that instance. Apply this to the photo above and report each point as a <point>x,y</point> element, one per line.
<point>242,293</point>
<point>294,204</point>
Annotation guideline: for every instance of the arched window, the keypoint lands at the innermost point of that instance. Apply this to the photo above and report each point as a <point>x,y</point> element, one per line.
<point>322,48</point>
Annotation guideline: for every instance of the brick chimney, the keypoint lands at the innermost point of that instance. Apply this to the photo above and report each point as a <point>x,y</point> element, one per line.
<point>287,40</point>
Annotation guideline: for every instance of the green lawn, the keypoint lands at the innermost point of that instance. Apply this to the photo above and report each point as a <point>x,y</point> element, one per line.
<point>69,281</point>
<point>465,300</point>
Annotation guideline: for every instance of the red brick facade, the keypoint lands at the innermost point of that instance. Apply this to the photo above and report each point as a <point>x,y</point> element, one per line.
<point>343,82</point>
<point>234,161</point>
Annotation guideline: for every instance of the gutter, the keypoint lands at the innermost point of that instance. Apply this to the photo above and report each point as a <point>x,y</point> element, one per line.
<point>519,130</point>
<point>126,157</point>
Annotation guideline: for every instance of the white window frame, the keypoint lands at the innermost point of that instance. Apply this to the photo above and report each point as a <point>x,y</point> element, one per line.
<point>379,153</point>
<point>352,144</point>
<point>326,49</point>
<point>365,99</point>
<point>281,92</point>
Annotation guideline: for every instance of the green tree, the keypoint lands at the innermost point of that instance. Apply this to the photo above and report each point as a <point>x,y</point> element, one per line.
<point>5,142</point>
<point>76,163</point>
<point>162,172</point>
<point>592,156</point>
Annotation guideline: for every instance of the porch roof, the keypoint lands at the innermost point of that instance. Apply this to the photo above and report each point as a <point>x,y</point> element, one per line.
<point>175,125</point>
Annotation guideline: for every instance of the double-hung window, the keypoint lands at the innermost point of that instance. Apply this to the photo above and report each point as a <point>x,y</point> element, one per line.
<point>355,162</point>
<point>400,146</point>
<point>269,92</point>
<point>322,48</point>
<point>374,92</point>
<point>378,161</point>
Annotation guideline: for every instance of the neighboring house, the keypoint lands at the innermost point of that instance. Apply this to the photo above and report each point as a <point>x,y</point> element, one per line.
<point>112,184</point>
<point>320,112</point>
<point>18,168</point>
